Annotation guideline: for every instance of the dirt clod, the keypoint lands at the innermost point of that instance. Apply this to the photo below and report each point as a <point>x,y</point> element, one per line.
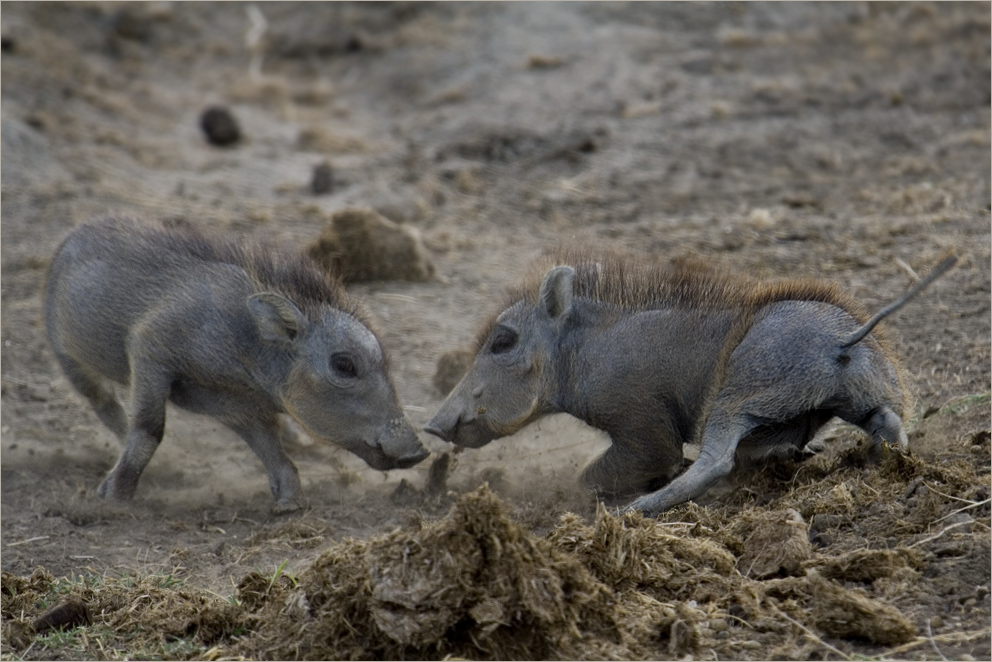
<point>220,126</point>
<point>777,546</point>
<point>451,367</point>
<point>64,616</point>
<point>361,245</point>
<point>437,477</point>
<point>132,25</point>
<point>321,181</point>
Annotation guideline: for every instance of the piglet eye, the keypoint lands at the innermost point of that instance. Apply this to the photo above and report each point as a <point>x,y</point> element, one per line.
<point>504,340</point>
<point>343,366</point>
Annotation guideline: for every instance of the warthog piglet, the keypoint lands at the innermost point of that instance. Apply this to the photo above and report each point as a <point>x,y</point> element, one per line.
<point>236,330</point>
<point>660,356</point>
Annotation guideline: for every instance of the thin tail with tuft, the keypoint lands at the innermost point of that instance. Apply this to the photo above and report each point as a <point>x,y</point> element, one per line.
<point>949,261</point>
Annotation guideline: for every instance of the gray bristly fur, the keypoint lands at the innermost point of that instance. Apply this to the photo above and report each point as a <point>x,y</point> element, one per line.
<point>236,330</point>
<point>659,357</point>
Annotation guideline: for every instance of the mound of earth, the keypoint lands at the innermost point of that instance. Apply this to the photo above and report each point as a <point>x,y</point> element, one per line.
<point>361,245</point>
<point>477,584</point>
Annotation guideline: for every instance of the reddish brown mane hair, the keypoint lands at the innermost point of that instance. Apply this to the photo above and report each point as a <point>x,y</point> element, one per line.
<point>634,284</point>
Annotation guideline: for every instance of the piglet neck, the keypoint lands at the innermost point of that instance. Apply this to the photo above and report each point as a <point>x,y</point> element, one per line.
<point>272,370</point>
<point>572,375</point>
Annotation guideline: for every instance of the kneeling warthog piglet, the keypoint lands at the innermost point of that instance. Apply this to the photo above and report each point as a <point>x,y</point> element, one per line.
<point>233,329</point>
<point>661,356</point>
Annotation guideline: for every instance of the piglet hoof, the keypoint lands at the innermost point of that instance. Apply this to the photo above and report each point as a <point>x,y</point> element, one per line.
<point>289,506</point>
<point>641,505</point>
<point>114,489</point>
<point>814,447</point>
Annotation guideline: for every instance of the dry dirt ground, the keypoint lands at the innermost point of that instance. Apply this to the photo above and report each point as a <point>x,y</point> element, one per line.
<point>845,141</point>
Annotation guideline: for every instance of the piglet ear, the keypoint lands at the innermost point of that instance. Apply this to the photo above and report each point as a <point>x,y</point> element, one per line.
<point>556,291</point>
<point>277,318</point>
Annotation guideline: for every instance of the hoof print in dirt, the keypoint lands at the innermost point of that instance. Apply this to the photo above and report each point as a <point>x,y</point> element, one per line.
<point>451,367</point>
<point>220,126</point>
<point>362,245</point>
<point>322,181</point>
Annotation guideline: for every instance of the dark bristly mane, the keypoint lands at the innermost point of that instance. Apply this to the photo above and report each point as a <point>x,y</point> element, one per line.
<point>636,284</point>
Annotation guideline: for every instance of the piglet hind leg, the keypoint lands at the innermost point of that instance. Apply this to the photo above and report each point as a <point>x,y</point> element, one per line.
<point>94,389</point>
<point>871,399</point>
<point>722,433</point>
<point>765,389</point>
<point>884,426</point>
<point>626,469</point>
<point>730,422</point>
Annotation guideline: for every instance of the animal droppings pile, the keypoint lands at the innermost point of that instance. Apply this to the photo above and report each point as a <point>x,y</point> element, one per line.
<point>744,582</point>
<point>473,584</point>
<point>359,244</point>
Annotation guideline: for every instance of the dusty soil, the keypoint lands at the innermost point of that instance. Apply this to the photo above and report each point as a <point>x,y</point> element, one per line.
<point>844,141</point>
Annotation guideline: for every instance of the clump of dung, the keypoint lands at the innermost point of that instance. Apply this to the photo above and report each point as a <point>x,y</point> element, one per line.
<point>477,584</point>
<point>360,244</point>
<point>777,545</point>
<point>474,584</point>
<point>220,126</point>
<point>451,367</point>
<point>867,565</point>
<point>634,552</point>
<point>837,611</point>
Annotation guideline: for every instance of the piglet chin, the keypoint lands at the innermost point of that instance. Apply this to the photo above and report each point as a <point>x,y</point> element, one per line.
<point>376,459</point>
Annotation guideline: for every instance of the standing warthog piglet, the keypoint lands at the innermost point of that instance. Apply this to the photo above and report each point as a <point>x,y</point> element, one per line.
<point>233,329</point>
<point>662,356</point>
